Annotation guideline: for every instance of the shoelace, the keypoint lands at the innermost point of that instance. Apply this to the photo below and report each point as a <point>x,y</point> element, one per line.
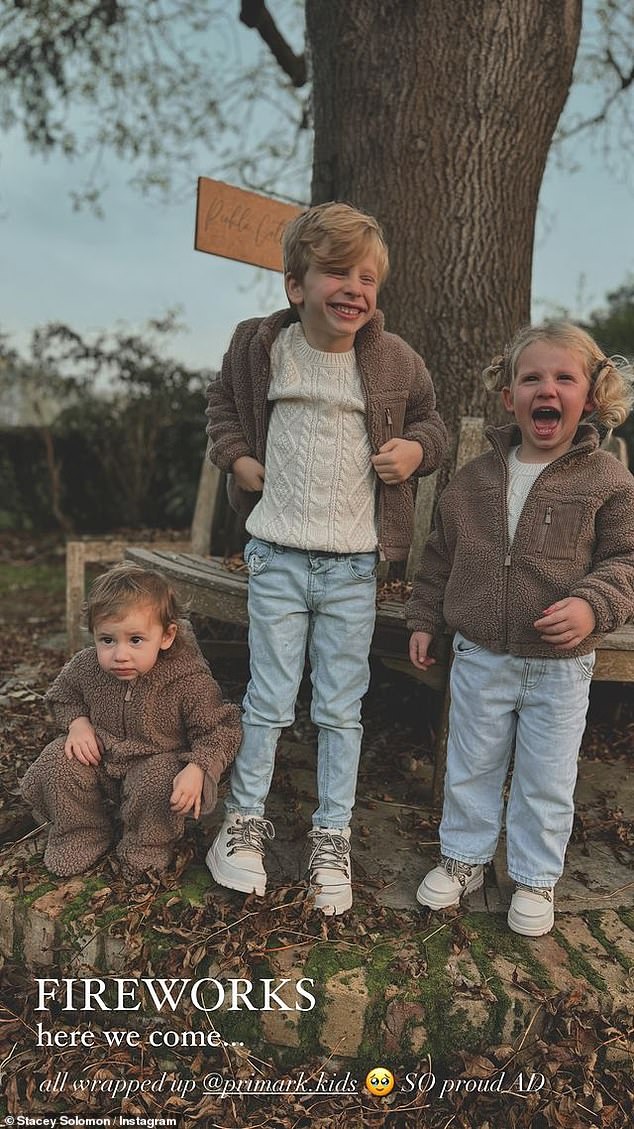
<point>544,892</point>
<point>250,835</point>
<point>330,852</point>
<point>460,870</point>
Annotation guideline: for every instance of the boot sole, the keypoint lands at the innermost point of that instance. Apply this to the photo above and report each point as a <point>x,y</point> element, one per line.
<point>535,931</point>
<point>233,880</point>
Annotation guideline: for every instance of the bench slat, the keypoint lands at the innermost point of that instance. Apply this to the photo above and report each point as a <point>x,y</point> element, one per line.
<point>208,591</point>
<point>211,589</point>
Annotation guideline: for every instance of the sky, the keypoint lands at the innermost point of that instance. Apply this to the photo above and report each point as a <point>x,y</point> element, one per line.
<point>138,262</point>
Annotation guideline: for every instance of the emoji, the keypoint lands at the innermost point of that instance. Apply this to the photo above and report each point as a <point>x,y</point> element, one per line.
<point>379,1081</point>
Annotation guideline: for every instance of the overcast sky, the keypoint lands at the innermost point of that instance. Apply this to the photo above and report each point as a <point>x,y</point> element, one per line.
<point>58,265</point>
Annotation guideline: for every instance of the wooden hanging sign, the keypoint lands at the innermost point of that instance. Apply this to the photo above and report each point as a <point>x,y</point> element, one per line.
<point>241,225</point>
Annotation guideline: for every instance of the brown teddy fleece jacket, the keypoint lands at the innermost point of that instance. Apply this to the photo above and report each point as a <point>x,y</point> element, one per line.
<point>400,402</point>
<point>575,537</point>
<point>175,708</point>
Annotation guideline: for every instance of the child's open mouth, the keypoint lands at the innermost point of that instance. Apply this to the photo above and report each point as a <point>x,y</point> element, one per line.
<point>545,421</point>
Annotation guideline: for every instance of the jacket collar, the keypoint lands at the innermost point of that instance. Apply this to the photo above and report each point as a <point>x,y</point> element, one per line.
<point>587,438</point>
<point>270,326</point>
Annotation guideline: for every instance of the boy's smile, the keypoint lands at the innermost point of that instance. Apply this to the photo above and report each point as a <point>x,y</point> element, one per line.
<point>549,394</point>
<point>334,303</point>
<point>129,646</point>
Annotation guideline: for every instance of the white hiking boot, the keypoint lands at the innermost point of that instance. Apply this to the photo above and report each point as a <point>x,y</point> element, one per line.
<point>235,856</point>
<point>446,884</point>
<point>329,864</point>
<point>532,911</point>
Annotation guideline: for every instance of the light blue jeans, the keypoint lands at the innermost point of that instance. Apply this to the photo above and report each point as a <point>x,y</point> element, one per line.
<point>325,601</point>
<point>538,707</point>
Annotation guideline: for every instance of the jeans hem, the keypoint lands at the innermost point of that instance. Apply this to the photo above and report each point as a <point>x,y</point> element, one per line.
<point>233,809</point>
<point>536,883</point>
<point>456,856</point>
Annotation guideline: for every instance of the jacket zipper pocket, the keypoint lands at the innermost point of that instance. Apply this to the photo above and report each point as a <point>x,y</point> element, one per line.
<point>543,533</point>
<point>389,424</point>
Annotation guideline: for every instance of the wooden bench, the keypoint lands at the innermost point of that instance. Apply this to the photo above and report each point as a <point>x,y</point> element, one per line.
<point>81,551</point>
<point>211,589</point>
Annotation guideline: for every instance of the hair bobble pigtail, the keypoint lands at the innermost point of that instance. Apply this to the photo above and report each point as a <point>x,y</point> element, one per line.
<point>612,389</point>
<point>602,363</point>
<point>495,374</point>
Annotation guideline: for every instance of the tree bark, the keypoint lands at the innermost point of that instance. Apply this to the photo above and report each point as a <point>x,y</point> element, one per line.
<point>437,117</point>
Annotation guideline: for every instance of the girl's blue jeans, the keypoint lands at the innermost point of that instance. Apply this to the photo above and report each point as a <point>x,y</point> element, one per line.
<point>537,707</point>
<point>323,602</point>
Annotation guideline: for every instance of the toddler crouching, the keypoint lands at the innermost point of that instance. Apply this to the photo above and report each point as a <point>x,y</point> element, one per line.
<point>144,726</point>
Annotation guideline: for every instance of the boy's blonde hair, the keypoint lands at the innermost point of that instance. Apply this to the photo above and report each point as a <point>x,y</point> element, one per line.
<point>333,235</point>
<point>610,377</point>
<point>127,584</point>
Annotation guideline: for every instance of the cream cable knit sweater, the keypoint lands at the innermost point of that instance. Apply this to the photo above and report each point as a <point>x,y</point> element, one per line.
<point>319,488</point>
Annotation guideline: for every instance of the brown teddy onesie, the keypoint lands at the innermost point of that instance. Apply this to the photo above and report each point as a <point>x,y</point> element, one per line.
<point>148,730</point>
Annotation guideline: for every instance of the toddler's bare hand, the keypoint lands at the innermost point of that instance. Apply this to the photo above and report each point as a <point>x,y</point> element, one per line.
<point>82,743</point>
<point>248,473</point>
<point>566,623</point>
<point>419,644</point>
<point>397,460</point>
<point>187,790</point>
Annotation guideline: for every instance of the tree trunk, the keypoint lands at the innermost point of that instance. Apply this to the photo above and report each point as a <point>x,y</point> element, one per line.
<point>55,481</point>
<point>437,117</point>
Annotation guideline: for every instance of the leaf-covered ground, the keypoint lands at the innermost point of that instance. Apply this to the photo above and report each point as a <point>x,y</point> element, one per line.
<point>584,1085</point>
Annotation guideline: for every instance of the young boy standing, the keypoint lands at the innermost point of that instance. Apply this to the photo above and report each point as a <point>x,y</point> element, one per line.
<point>530,561</point>
<point>144,726</point>
<point>322,418</point>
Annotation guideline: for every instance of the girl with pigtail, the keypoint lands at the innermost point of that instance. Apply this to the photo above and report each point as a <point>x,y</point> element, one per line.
<point>530,562</point>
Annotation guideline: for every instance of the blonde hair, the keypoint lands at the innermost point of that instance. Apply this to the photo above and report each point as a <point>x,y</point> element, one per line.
<point>125,585</point>
<point>610,377</point>
<point>333,235</point>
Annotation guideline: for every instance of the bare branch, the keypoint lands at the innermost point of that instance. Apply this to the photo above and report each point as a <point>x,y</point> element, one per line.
<point>625,79</point>
<point>587,123</point>
<point>605,68</point>
<point>255,14</point>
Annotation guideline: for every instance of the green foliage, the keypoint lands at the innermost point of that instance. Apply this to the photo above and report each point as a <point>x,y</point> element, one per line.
<point>24,489</point>
<point>122,437</point>
<point>613,327</point>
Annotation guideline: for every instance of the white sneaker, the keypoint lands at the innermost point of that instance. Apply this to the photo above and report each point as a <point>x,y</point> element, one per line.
<point>329,864</point>
<point>446,884</point>
<point>235,856</point>
<point>532,911</point>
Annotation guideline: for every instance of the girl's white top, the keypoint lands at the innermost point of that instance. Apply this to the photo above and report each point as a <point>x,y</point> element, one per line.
<point>522,476</point>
